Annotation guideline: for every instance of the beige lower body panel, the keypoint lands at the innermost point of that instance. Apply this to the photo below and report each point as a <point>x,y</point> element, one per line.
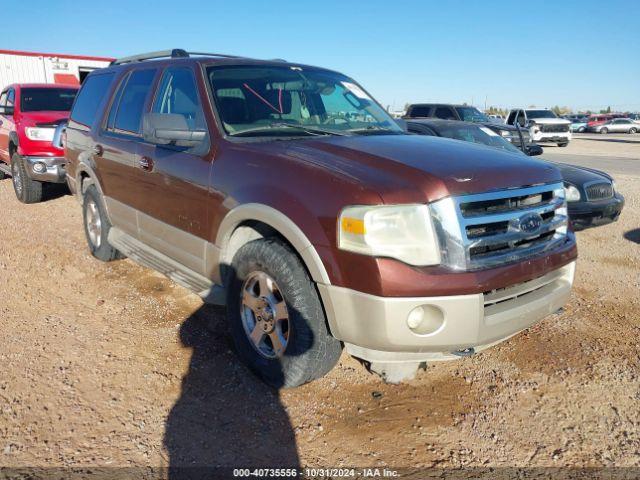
<point>376,329</point>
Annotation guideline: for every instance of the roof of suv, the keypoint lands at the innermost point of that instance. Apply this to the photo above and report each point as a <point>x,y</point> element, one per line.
<point>182,56</point>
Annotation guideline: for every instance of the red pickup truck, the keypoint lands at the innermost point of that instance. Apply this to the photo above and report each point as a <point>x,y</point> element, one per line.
<point>29,114</point>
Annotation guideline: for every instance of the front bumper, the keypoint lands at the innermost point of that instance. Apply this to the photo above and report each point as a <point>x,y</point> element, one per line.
<point>376,328</point>
<point>593,214</point>
<point>46,169</point>
<point>552,137</point>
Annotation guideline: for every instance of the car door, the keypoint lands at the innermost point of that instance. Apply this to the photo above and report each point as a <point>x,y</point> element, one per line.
<point>4,131</point>
<point>116,146</point>
<point>173,180</point>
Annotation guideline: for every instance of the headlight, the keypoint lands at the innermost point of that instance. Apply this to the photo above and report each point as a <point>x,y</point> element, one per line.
<point>572,194</point>
<point>42,134</point>
<point>403,232</point>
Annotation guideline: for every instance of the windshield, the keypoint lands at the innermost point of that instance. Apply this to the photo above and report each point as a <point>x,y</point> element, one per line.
<point>292,101</point>
<point>481,135</point>
<point>471,114</point>
<point>541,114</point>
<point>47,99</point>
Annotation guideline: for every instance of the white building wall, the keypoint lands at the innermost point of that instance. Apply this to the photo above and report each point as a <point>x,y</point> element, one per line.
<point>17,68</point>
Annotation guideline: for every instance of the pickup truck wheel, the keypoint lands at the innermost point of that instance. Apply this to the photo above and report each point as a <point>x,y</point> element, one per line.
<point>97,226</point>
<point>276,318</point>
<point>27,190</point>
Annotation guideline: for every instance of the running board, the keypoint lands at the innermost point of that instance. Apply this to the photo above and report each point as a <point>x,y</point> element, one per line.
<point>5,168</point>
<point>151,258</point>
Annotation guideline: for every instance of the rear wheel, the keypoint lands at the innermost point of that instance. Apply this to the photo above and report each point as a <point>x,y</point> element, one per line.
<point>581,130</point>
<point>563,144</point>
<point>276,317</point>
<point>604,130</point>
<point>27,190</point>
<point>97,226</point>
<point>633,130</point>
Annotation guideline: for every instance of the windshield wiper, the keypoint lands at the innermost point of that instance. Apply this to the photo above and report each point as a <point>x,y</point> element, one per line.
<point>303,128</point>
<point>374,129</point>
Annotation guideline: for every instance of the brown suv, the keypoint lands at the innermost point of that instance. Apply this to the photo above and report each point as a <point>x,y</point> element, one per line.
<point>287,193</point>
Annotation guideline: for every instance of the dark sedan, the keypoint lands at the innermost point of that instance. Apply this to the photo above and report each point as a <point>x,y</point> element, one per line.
<point>591,194</point>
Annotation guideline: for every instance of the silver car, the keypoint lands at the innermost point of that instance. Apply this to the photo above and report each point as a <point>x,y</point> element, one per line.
<point>616,125</point>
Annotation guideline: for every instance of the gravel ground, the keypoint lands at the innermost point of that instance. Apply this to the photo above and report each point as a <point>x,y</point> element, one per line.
<point>114,365</point>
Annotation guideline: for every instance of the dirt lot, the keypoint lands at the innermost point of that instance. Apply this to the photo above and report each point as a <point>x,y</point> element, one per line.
<point>113,365</point>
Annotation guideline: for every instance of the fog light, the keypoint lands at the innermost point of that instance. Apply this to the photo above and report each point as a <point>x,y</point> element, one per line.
<point>39,167</point>
<point>425,319</point>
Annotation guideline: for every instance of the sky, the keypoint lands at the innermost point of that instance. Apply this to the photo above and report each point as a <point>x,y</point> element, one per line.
<point>581,54</point>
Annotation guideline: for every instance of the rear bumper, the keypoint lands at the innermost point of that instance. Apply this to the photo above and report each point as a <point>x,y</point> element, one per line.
<point>46,169</point>
<point>593,214</point>
<point>377,328</point>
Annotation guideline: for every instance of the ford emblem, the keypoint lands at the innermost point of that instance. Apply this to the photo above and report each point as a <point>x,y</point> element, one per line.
<point>530,223</point>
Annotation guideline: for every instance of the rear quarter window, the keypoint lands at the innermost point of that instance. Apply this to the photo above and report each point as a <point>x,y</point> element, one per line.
<point>88,101</point>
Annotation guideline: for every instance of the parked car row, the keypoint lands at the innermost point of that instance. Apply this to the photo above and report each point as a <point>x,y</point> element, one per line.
<point>288,194</point>
<point>605,123</point>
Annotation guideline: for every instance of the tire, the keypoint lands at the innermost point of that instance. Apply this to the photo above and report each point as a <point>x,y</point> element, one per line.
<point>581,130</point>
<point>604,131</point>
<point>97,226</point>
<point>27,190</point>
<point>563,144</point>
<point>633,130</point>
<point>268,272</point>
<point>2,175</point>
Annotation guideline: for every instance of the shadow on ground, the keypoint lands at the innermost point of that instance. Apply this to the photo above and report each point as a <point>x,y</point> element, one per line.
<point>613,140</point>
<point>225,416</point>
<point>633,235</point>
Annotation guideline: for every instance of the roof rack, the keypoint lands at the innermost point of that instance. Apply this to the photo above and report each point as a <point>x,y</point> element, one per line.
<point>175,53</point>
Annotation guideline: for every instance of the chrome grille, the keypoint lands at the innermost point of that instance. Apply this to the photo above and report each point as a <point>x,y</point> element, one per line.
<point>599,191</point>
<point>494,228</point>
<point>553,128</point>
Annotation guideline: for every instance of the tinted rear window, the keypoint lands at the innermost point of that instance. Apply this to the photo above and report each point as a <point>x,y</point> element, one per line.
<point>47,99</point>
<point>420,111</point>
<point>93,91</point>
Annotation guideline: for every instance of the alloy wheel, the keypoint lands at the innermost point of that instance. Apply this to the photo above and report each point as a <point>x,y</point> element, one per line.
<point>17,178</point>
<point>265,317</point>
<point>94,223</point>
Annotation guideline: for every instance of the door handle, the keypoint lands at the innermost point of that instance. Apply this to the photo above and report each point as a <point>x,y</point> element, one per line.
<point>97,150</point>
<point>146,164</point>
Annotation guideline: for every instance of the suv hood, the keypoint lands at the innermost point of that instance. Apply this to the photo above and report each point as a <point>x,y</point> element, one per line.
<point>43,118</point>
<point>417,168</point>
<point>550,121</point>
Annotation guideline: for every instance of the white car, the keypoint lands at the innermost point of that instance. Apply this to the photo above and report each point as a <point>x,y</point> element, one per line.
<point>543,125</point>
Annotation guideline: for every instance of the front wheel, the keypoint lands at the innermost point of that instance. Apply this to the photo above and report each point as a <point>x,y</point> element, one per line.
<point>581,130</point>
<point>633,130</point>
<point>604,131</point>
<point>563,144</point>
<point>276,317</point>
<point>27,190</point>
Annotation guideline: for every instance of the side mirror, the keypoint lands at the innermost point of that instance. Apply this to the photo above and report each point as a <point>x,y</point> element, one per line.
<point>170,129</point>
<point>6,110</point>
<point>534,150</point>
<point>58,134</point>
